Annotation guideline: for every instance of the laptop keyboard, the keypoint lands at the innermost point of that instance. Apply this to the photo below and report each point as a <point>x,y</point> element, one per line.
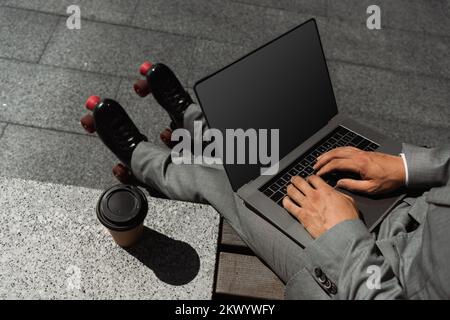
<point>303,167</point>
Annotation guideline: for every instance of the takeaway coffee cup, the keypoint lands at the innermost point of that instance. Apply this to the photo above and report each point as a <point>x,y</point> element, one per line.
<point>122,210</point>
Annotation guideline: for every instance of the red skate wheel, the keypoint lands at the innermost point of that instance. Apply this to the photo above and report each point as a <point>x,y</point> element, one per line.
<point>166,137</point>
<point>88,123</point>
<point>92,102</point>
<point>142,88</point>
<point>122,174</point>
<point>145,68</point>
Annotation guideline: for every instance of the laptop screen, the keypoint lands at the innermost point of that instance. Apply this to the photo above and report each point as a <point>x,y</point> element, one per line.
<point>283,85</point>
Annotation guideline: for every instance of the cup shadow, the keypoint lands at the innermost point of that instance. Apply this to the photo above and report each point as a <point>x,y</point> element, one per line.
<point>173,262</point>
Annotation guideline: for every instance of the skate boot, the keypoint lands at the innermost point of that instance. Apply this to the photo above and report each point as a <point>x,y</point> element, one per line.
<point>167,90</point>
<point>116,130</point>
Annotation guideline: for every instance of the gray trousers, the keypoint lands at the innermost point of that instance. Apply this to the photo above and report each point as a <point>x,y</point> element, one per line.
<point>209,184</point>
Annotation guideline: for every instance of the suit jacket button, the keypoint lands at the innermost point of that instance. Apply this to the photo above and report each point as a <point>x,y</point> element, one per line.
<point>318,272</point>
<point>323,278</point>
<point>333,289</point>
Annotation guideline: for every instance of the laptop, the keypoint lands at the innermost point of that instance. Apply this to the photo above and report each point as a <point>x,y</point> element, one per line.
<point>285,84</point>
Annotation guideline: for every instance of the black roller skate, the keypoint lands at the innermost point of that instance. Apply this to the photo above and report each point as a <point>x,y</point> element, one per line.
<point>117,131</point>
<point>168,92</point>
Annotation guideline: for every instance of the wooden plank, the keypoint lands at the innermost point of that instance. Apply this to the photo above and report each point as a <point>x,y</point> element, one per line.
<point>230,237</point>
<point>247,276</point>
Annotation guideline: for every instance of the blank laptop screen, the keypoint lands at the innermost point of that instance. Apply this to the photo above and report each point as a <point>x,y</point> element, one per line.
<point>283,85</point>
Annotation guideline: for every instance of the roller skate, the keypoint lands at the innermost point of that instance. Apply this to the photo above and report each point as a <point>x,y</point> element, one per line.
<point>116,130</point>
<point>168,92</point>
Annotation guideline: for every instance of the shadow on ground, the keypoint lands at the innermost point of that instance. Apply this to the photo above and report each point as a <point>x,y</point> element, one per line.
<point>173,262</point>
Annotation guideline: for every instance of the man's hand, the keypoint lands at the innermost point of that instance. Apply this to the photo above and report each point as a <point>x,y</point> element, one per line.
<point>317,205</point>
<point>380,173</point>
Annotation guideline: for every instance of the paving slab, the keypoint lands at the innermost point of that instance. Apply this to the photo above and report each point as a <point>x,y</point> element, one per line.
<point>350,42</point>
<point>24,34</point>
<point>59,157</point>
<point>430,16</point>
<point>415,99</point>
<point>114,11</point>
<point>53,247</point>
<point>49,97</point>
<point>319,7</point>
<point>2,128</point>
<point>218,20</point>
<point>53,98</point>
<point>211,56</point>
<point>404,131</point>
<point>116,50</point>
<point>387,48</point>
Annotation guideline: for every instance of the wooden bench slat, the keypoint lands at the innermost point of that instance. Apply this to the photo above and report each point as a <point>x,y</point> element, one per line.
<point>230,237</point>
<point>247,276</point>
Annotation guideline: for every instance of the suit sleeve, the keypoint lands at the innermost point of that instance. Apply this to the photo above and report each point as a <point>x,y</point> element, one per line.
<point>427,168</point>
<point>349,257</point>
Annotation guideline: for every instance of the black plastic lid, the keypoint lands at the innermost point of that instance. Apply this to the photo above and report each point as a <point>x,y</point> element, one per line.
<point>122,207</point>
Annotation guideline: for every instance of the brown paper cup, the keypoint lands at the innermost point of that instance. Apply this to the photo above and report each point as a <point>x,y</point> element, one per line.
<point>128,238</point>
<point>122,210</point>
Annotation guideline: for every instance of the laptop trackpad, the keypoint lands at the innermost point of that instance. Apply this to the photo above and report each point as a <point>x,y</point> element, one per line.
<point>372,208</point>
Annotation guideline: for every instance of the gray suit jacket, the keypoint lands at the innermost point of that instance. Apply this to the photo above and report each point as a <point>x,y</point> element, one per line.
<point>409,258</point>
